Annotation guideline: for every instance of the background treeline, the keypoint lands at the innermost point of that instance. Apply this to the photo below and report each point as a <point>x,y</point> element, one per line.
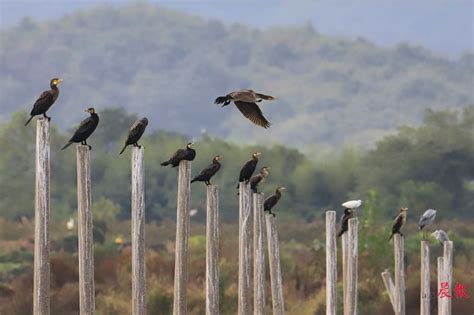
<point>170,66</point>
<point>427,166</point>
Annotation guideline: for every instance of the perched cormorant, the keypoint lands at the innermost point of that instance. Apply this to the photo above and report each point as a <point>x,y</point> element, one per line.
<point>398,222</point>
<point>271,201</point>
<point>135,133</point>
<point>259,178</point>
<point>187,154</point>
<point>246,102</point>
<point>45,100</point>
<point>207,173</point>
<point>85,129</point>
<point>426,218</point>
<point>441,236</point>
<point>249,167</point>
<point>345,221</point>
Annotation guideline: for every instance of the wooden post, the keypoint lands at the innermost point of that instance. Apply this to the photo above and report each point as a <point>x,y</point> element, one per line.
<point>441,278</point>
<point>352,256</point>
<point>245,230</point>
<point>425,279</point>
<point>331,263</point>
<point>390,287</point>
<point>345,250</point>
<point>399,273</point>
<point>41,259</point>
<point>259,255</point>
<point>275,270</point>
<point>182,235</point>
<point>212,251</point>
<point>138,233</point>
<point>448,274</point>
<point>85,230</point>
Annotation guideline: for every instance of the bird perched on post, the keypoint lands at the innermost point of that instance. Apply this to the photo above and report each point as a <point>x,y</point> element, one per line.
<point>135,133</point>
<point>259,178</point>
<point>345,221</point>
<point>45,100</point>
<point>249,167</point>
<point>441,236</point>
<point>86,128</point>
<point>426,218</point>
<point>246,102</point>
<point>271,201</point>
<point>187,154</point>
<point>398,222</point>
<point>207,173</point>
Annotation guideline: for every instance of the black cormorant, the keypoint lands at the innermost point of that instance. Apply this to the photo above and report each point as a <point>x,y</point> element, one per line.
<point>187,154</point>
<point>345,221</point>
<point>398,222</point>
<point>86,128</point>
<point>207,173</point>
<point>135,133</point>
<point>249,167</point>
<point>246,102</point>
<point>259,178</point>
<point>271,201</point>
<point>45,100</point>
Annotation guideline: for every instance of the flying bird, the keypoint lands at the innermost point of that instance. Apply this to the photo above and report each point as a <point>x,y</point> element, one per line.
<point>135,133</point>
<point>187,154</point>
<point>45,100</point>
<point>249,167</point>
<point>246,101</point>
<point>259,178</point>
<point>352,204</point>
<point>345,221</point>
<point>271,201</point>
<point>86,128</point>
<point>207,173</point>
<point>441,236</point>
<point>427,218</point>
<point>398,222</point>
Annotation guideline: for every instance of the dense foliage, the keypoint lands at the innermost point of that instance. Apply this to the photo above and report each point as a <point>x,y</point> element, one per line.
<point>170,67</point>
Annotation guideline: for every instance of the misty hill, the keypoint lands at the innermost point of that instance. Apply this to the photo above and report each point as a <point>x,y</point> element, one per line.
<point>170,66</point>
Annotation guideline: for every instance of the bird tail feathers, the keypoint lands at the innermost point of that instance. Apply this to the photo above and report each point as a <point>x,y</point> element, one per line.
<point>165,163</point>
<point>29,120</point>
<point>67,144</point>
<point>123,149</point>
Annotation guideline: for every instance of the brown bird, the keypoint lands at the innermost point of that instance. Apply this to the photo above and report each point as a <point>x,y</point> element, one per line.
<point>45,100</point>
<point>271,201</point>
<point>259,178</point>
<point>135,133</point>
<point>398,222</point>
<point>246,100</point>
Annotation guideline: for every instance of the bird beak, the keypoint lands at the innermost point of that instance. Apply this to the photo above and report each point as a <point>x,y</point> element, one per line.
<point>58,82</point>
<point>258,153</point>
<point>283,188</point>
<point>87,111</point>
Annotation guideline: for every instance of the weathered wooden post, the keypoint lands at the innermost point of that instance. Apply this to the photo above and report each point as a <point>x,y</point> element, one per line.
<point>259,255</point>
<point>182,235</point>
<point>441,278</point>
<point>352,257</point>
<point>138,233</point>
<point>331,263</point>
<point>390,287</point>
<point>448,274</point>
<point>278,302</point>
<point>399,248</point>
<point>212,251</point>
<point>425,279</point>
<point>245,230</point>
<point>345,250</point>
<point>41,259</point>
<point>85,230</point>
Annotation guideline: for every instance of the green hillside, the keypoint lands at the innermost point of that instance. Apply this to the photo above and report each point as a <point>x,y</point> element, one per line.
<point>170,66</point>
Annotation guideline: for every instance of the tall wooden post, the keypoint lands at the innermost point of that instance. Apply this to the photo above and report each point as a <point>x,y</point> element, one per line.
<point>331,263</point>
<point>41,260</point>
<point>390,287</point>
<point>85,230</point>
<point>138,233</point>
<point>212,251</point>
<point>259,255</point>
<point>278,302</point>
<point>245,230</point>
<point>182,235</point>
<point>345,251</point>
<point>425,279</point>
<point>448,274</point>
<point>352,257</point>
<point>441,278</point>
<point>399,248</point>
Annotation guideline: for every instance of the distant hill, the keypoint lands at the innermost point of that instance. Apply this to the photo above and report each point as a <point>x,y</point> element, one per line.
<point>170,67</point>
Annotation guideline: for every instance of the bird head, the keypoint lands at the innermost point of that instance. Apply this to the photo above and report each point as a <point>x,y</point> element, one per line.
<point>90,110</point>
<point>347,211</point>
<point>189,145</point>
<point>217,157</point>
<point>280,189</point>
<point>403,209</point>
<point>256,155</point>
<point>264,170</point>
<point>144,120</point>
<point>55,82</point>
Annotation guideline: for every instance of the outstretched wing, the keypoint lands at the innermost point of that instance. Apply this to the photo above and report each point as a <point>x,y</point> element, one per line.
<point>253,113</point>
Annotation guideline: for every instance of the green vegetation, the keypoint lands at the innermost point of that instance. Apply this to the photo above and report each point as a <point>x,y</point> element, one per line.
<point>170,67</point>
